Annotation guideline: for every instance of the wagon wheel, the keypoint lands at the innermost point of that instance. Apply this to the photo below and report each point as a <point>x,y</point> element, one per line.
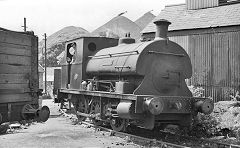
<point>44,114</point>
<point>96,110</point>
<point>28,112</point>
<point>118,124</point>
<point>82,107</point>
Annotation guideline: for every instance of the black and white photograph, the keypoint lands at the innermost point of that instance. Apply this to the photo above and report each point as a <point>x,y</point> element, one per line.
<point>120,74</point>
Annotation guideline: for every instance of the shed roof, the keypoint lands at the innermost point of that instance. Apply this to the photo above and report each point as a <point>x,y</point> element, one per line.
<point>182,18</point>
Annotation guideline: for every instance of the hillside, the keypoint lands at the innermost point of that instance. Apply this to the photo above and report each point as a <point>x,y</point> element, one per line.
<point>67,33</point>
<point>56,43</point>
<point>144,20</point>
<point>118,27</point>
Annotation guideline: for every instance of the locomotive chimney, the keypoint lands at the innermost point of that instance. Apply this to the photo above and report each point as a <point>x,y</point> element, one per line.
<point>162,29</point>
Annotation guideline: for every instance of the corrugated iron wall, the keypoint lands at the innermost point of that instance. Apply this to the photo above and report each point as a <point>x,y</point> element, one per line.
<point>216,62</point>
<point>199,4</point>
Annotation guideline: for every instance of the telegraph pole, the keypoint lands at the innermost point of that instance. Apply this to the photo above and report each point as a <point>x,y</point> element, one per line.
<point>25,25</point>
<point>45,59</point>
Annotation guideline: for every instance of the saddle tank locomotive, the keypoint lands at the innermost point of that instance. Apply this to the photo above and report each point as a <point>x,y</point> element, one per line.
<point>123,82</point>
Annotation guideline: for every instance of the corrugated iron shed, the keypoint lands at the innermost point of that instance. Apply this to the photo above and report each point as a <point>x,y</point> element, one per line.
<point>199,4</point>
<point>211,37</point>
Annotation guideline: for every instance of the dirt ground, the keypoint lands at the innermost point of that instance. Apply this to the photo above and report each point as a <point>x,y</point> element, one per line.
<point>60,132</point>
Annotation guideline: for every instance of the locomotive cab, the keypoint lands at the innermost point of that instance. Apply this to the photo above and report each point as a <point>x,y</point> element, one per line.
<point>75,60</point>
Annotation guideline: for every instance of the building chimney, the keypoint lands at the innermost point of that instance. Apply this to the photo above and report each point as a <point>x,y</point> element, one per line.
<point>162,29</point>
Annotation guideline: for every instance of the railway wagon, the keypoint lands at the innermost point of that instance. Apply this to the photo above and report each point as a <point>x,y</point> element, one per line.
<point>141,84</point>
<point>19,82</point>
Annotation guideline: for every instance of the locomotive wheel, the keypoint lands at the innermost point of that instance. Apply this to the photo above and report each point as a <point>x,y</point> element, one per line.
<point>118,124</point>
<point>83,108</point>
<point>95,109</point>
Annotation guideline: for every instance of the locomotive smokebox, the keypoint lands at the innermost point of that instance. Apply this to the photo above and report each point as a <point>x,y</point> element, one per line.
<point>162,29</point>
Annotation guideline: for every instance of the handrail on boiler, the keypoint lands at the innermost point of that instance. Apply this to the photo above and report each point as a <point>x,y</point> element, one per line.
<point>116,54</point>
<point>166,53</point>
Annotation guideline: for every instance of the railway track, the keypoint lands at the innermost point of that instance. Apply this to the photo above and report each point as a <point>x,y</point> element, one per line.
<point>203,142</point>
<point>161,141</point>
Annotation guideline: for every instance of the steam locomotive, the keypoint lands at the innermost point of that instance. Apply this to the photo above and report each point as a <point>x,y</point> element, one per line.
<point>121,82</point>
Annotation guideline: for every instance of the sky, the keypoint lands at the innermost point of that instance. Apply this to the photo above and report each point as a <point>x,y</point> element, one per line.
<point>49,16</point>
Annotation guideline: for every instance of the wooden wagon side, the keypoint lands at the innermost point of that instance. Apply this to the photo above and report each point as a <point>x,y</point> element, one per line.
<point>19,83</point>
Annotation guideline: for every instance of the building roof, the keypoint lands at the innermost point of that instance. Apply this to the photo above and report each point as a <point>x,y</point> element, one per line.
<point>182,18</point>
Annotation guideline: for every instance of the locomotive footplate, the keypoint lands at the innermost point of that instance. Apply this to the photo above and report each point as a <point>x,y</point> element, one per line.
<point>146,110</point>
<point>154,104</point>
